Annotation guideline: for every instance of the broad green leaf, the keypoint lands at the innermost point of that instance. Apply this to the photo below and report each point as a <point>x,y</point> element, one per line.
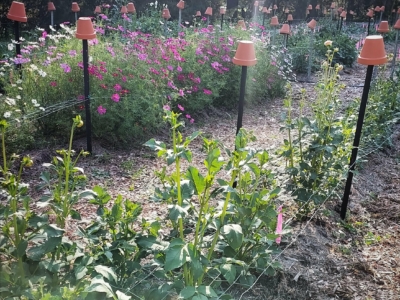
<point>176,212</point>
<point>206,290</point>
<point>155,145</point>
<point>75,215</point>
<point>53,231</point>
<point>187,292</point>
<point>80,272</point>
<point>122,296</point>
<point>36,253</point>
<point>196,179</point>
<point>106,272</point>
<point>233,235</point>
<point>175,257</point>
<point>21,248</point>
<point>154,228</point>
<point>100,286</point>
<point>229,272</point>
<point>199,297</point>
<point>37,221</point>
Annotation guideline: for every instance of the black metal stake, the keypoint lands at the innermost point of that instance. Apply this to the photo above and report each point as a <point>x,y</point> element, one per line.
<point>369,22</point>
<point>222,20</point>
<point>241,98</point>
<point>17,46</point>
<point>341,23</point>
<point>395,54</point>
<point>356,142</point>
<point>87,99</point>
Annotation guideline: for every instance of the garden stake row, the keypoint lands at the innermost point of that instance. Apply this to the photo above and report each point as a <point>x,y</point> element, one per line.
<point>85,32</point>
<point>51,8</point>
<point>372,54</point>
<point>180,6</point>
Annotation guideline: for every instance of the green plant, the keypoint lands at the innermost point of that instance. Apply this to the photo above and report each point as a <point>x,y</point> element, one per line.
<point>208,242</point>
<point>63,195</point>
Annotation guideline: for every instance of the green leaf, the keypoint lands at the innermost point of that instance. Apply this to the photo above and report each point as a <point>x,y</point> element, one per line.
<point>176,212</point>
<point>21,248</point>
<point>229,272</point>
<point>99,285</point>
<point>122,296</point>
<point>75,215</point>
<point>199,297</point>
<point>187,292</point>
<point>175,256</point>
<point>196,179</point>
<point>37,221</point>
<point>106,272</point>
<point>36,253</point>
<point>80,272</point>
<point>233,235</point>
<point>206,291</point>
<point>53,231</point>
<point>155,145</point>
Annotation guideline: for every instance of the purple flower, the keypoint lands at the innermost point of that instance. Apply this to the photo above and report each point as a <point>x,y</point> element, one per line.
<point>171,85</point>
<point>171,68</point>
<point>207,92</point>
<point>117,87</point>
<point>166,107</point>
<point>191,121</point>
<point>181,93</point>
<point>181,107</point>
<point>66,68</point>
<point>179,69</point>
<point>115,97</point>
<point>72,53</point>
<point>142,56</point>
<point>101,110</point>
<point>188,116</point>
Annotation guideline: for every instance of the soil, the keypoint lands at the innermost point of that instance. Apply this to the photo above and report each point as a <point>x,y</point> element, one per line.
<point>323,257</point>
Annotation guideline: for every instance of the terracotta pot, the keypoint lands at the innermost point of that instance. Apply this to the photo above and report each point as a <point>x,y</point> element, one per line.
<point>333,5</point>
<point>198,13</point>
<point>84,29</point>
<point>165,14</point>
<point>339,10</point>
<point>286,10</point>
<point>256,3</point>
<point>285,29</point>
<point>181,4</point>
<point>208,11</point>
<point>343,14</point>
<point>317,7</point>
<point>290,17</point>
<point>397,25</point>
<point>222,10</point>
<point>275,6</point>
<point>241,24</point>
<point>97,10</point>
<point>265,10</point>
<point>373,52</point>
<point>131,8</point>
<point>75,7</point>
<point>377,9</point>
<point>245,54</point>
<point>312,24</point>
<point>123,10</point>
<point>17,12</point>
<point>309,7</point>
<point>398,10</point>
<point>382,8</point>
<point>383,27</point>
<point>50,6</point>
<point>370,13</point>
<point>274,21</point>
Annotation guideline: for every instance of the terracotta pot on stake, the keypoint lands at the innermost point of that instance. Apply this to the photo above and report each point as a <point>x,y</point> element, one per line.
<point>274,23</point>
<point>370,15</point>
<point>166,16</point>
<point>123,12</point>
<point>376,9</point>
<point>317,8</point>
<point>245,56</point>
<point>382,11</point>
<point>275,7</point>
<point>265,11</point>
<point>75,8</point>
<point>51,8</point>
<point>397,28</point>
<point>255,8</point>
<point>285,30</point>
<point>372,54</point>
<point>180,6</point>
<point>222,12</point>
<point>17,14</point>
<point>290,19</point>
<point>312,24</point>
<point>131,10</point>
<point>333,6</point>
<point>208,13</point>
<point>85,32</point>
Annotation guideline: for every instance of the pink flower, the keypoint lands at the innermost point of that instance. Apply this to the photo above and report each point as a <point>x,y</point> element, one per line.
<point>117,87</point>
<point>101,110</point>
<point>115,97</point>
<point>181,93</point>
<point>171,68</point>
<point>166,107</point>
<point>207,92</point>
<point>44,34</point>
<point>188,116</point>
<point>179,69</point>
<point>181,107</point>
<point>279,225</point>
<point>191,121</point>
<point>53,83</point>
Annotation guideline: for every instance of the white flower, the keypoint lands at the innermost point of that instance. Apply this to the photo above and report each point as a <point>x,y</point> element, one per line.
<point>7,114</point>
<point>19,81</point>
<point>20,88</point>
<point>21,39</point>
<point>51,28</point>
<point>33,67</point>
<point>40,29</point>
<point>42,73</point>
<point>18,97</point>
<point>10,101</point>
<point>328,43</point>
<point>42,108</point>
<point>10,47</point>
<point>13,85</point>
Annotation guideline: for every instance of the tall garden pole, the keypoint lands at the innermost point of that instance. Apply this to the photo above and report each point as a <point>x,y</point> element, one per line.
<point>85,32</point>
<point>311,25</point>
<point>51,8</point>
<point>131,10</point>
<point>255,9</point>
<point>75,8</point>
<point>208,13</point>
<point>17,14</point>
<point>333,5</point>
<point>123,12</point>
<point>245,56</point>
<point>222,12</point>
<point>397,28</point>
<point>285,30</point>
<point>165,15</point>
<point>343,15</point>
<point>382,11</point>
<point>180,6</point>
<point>274,23</point>
<point>372,54</point>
